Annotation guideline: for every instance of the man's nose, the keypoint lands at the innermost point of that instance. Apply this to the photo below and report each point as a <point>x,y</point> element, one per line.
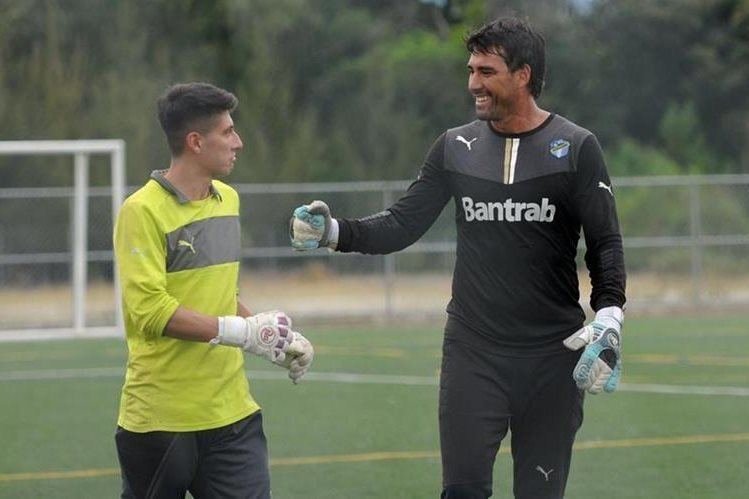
<point>473,83</point>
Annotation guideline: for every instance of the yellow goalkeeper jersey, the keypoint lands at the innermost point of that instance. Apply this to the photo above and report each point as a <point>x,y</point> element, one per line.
<point>171,251</point>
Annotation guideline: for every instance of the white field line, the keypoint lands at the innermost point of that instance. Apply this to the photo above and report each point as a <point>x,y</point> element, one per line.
<point>735,391</point>
<point>354,378</point>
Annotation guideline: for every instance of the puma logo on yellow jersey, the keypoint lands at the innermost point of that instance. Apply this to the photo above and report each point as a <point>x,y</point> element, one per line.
<point>187,244</point>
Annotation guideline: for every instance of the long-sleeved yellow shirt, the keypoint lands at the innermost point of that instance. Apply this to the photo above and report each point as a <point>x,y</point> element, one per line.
<point>170,252</point>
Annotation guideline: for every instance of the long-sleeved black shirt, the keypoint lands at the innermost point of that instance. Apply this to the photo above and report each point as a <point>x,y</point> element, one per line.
<point>520,202</point>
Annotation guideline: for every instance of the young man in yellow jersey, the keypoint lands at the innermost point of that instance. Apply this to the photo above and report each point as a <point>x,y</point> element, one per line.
<point>187,421</point>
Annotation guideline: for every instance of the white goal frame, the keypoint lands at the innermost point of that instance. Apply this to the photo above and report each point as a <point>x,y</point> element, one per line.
<point>81,150</point>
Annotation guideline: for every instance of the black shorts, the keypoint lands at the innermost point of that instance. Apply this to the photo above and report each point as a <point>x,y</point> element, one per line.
<point>482,395</point>
<point>228,462</point>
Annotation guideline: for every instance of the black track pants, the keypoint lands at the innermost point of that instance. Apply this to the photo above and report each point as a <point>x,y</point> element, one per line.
<point>482,396</point>
<point>229,462</point>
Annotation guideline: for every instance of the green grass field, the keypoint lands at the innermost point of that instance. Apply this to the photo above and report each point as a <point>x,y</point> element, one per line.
<point>375,435</point>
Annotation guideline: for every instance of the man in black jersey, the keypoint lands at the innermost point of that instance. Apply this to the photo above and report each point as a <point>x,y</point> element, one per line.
<point>524,181</point>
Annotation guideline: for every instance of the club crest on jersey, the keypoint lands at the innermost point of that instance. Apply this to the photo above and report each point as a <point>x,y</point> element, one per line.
<point>508,211</point>
<point>559,148</point>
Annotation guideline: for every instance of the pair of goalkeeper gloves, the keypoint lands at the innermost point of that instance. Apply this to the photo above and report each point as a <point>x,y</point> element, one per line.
<point>268,335</point>
<point>600,366</point>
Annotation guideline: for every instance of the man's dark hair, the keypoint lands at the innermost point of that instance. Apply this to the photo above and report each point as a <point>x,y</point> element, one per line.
<point>517,43</point>
<point>187,107</point>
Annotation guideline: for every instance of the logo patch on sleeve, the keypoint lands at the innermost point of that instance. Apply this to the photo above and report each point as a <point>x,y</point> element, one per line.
<point>559,148</point>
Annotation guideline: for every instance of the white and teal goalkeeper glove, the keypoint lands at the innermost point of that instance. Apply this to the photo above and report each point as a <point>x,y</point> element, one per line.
<point>600,365</point>
<point>312,227</point>
<point>268,335</point>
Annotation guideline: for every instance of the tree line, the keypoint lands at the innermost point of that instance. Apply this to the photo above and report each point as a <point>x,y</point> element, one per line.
<point>359,89</point>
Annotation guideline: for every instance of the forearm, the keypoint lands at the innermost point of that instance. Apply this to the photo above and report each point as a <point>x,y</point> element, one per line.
<point>378,234</point>
<point>242,311</point>
<point>189,325</point>
<point>608,278</point>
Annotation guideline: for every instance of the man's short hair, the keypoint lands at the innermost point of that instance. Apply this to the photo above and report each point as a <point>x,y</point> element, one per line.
<point>515,41</point>
<point>187,107</point>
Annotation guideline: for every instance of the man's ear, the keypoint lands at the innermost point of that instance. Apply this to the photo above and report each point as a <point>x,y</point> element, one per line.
<point>194,142</point>
<point>524,75</point>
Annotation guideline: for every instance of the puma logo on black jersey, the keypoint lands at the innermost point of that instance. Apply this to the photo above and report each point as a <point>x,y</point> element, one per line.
<point>468,143</point>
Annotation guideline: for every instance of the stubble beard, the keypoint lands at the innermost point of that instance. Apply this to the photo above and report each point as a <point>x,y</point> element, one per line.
<point>489,115</point>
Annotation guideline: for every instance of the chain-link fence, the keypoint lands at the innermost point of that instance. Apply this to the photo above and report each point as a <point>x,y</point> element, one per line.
<point>686,242</point>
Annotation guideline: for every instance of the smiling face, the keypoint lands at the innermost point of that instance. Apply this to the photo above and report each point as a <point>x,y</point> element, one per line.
<point>217,148</point>
<point>495,88</point>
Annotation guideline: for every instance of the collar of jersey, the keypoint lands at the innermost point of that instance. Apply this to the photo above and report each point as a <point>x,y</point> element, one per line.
<point>158,176</point>
<point>522,134</point>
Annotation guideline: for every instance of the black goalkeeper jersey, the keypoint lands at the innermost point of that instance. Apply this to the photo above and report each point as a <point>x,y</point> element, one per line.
<point>520,202</point>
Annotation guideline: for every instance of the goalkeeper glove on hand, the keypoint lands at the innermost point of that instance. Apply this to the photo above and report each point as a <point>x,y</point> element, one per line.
<point>312,227</point>
<point>299,356</point>
<point>267,334</point>
<point>600,365</point>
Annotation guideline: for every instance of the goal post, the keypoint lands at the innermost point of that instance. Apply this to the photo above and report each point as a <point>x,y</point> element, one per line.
<point>81,151</point>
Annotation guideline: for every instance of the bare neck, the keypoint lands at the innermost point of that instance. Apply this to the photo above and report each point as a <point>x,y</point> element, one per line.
<point>189,179</point>
<point>523,116</point>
